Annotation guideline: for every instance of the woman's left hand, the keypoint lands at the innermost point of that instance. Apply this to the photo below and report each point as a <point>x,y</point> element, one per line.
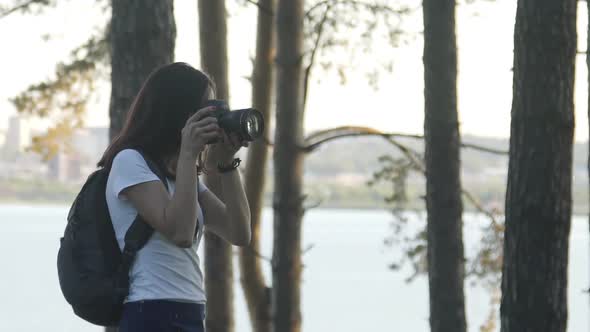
<point>224,151</point>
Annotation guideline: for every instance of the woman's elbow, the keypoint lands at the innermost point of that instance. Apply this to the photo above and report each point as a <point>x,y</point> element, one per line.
<point>181,239</point>
<point>174,232</point>
<point>184,244</point>
<point>243,238</point>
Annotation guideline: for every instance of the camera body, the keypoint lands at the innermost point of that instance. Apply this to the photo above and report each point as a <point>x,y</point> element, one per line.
<point>221,107</point>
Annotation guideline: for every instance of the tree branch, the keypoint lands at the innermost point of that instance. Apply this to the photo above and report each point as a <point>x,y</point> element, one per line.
<point>66,95</point>
<point>316,46</point>
<point>307,249</point>
<point>479,207</point>
<point>314,141</point>
<point>22,6</point>
<point>484,149</point>
<point>354,3</point>
<point>411,155</point>
<point>317,204</point>
<point>262,8</point>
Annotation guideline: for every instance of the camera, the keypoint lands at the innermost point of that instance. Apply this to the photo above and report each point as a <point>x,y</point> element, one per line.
<point>247,123</point>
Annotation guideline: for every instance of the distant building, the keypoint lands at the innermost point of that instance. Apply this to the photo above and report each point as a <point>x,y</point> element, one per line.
<point>89,143</point>
<point>65,168</point>
<point>17,136</point>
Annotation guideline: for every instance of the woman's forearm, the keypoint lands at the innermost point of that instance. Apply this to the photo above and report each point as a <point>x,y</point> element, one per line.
<point>232,194</point>
<point>237,205</point>
<point>181,211</point>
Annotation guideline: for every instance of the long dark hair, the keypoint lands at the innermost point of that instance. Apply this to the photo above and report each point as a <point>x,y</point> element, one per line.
<point>169,96</point>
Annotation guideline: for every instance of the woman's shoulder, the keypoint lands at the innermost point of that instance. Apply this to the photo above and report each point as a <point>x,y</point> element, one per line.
<point>128,157</point>
<point>128,168</point>
<point>127,154</point>
<point>128,160</point>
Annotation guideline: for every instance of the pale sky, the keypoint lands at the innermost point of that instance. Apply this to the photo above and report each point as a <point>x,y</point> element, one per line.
<point>485,42</point>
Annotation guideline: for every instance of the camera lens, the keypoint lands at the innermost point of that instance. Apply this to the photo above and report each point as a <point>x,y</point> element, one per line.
<point>253,124</point>
<point>250,126</point>
<point>247,123</point>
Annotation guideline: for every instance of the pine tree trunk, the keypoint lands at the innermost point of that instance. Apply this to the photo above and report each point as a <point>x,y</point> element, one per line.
<point>256,292</point>
<point>539,197</point>
<point>446,268</point>
<point>288,169</point>
<point>142,38</point>
<point>218,253</point>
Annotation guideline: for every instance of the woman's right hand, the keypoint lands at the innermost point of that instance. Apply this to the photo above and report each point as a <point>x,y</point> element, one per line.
<point>199,129</point>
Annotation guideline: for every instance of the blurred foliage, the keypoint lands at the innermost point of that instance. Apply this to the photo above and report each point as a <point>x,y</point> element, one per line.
<point>35,7</point>
<point>395,172</point>
<point>483,268</point>
<point>65,96</point>
<point>62,98</point>
<point>489,325</point>
<point>486,266</point>
<point>56,139</point>
<point>352,28</point>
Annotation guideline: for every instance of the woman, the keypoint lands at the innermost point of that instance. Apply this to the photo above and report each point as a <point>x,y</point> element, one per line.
<point>169,124</point>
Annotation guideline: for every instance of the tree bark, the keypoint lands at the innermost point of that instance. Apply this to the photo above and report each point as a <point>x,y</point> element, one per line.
<point>218,253</point>
<point>538,197</point>
<point>256,292</point>
<point>446,268</point>
<point>288,168</point>
<point>142,37</point>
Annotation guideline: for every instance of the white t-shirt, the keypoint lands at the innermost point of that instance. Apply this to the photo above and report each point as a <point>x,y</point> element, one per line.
<point>161,269</point>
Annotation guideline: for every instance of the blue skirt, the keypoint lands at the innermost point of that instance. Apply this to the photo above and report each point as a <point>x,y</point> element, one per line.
<point>162,316</point>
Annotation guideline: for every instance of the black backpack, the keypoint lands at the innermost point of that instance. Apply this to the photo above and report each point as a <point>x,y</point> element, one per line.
<point>93,272</point>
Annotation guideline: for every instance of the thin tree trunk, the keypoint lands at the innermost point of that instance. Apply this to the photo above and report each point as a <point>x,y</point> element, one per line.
<point>218,253</point>
<point>288,169</point>
<point>256,292</point>
<point>446,268</point>
<point>539,197</point>
<point>142,38</point>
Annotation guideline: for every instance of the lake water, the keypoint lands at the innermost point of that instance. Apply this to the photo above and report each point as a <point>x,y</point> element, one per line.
<point>347,285</point>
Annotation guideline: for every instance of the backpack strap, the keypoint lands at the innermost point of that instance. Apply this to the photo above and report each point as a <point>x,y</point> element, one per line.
<point>140,231</point>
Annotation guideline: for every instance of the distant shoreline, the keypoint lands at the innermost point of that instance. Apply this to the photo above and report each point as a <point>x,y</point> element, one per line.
<point>68,203</point>
<point>343,207</point>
